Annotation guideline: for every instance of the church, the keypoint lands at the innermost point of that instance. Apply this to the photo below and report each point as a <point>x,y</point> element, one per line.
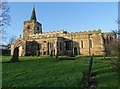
<point>36,42</point>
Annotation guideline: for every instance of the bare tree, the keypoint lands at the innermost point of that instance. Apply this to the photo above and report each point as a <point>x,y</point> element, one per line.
<point>114,47</point>
<point>4,16</point>
<point>114,50</point>
<point>4,19</point>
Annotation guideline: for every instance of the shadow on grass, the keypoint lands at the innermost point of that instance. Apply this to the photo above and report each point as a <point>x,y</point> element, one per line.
<point>11,62</point>
<point>25,59</point>
<point>66,58</point>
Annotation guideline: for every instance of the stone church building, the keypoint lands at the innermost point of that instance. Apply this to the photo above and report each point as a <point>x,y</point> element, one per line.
<point>36,42</point>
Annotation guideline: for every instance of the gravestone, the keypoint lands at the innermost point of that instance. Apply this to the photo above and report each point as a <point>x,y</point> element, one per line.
<point>90,69</point>
<point>15,55</point>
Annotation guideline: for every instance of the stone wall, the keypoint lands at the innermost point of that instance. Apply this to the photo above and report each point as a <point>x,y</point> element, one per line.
<point>21,43</point>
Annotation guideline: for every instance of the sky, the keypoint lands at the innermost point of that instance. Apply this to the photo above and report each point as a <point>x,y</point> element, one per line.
<point>69,16</point>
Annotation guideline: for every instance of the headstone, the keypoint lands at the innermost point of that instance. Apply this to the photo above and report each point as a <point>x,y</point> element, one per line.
<point>15,55</point>
<point>90,68</point>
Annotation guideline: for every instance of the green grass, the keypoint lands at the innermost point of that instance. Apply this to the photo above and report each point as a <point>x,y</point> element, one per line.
<point>45,72</point>
<point>106,75</point>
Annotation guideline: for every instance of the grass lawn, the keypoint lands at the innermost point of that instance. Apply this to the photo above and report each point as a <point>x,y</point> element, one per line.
<point>45,72</point>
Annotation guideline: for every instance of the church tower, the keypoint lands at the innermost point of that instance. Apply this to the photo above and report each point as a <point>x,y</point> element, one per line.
<point>32,26</point>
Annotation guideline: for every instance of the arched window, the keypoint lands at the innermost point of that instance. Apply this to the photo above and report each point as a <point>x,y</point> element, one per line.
<point>90,43</point>
<point>68,45</point>
<point>81,43</point>
<point>107,39</point>
<point>60,45</point>
<point>37,28</point>
<point>51,44</point>
<point>111,38</point>
<point>39,46</point>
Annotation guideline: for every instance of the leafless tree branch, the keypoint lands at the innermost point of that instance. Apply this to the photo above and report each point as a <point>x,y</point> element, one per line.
<point>4,19</point>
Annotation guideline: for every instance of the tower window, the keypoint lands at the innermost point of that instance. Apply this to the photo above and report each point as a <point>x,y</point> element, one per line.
<point>28,27</point>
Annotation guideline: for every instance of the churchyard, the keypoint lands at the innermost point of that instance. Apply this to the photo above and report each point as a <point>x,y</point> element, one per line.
<point>44,71</point>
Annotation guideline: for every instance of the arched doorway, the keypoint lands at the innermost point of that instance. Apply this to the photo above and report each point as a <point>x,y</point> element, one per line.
<point>75,50</point>
<point>20,50</point>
